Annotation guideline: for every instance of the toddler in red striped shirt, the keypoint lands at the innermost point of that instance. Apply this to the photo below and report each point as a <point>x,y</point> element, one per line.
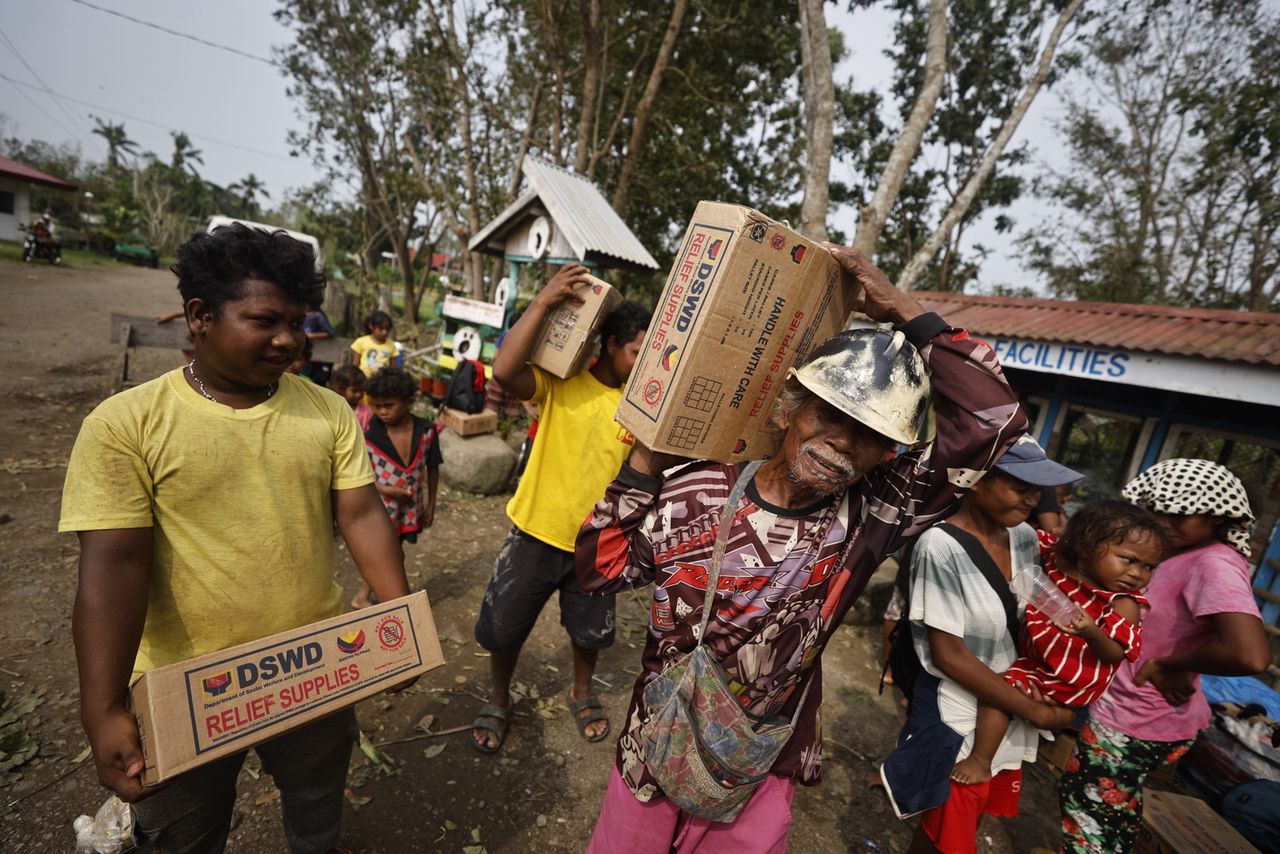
<point>1103,560</point>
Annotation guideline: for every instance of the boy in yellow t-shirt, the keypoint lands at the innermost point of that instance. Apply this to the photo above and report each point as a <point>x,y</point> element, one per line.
<point>202,501</point>
<point>375,350</point>
<point>576,454</point>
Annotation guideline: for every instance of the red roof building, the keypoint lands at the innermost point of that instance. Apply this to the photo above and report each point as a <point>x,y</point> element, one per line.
<point>16,181</point>
<point>1233,336</point>
<point>15,170</point>
<point>1111,389</point>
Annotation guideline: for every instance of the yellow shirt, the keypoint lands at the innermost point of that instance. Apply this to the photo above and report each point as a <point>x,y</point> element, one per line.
<point>238,502</point>
<point>576,455</point>
<point>374,356</point>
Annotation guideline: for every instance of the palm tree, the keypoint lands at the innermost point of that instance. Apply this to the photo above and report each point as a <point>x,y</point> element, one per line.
<point>117,141</point>
<point>249,187</point>
<point>184,154</point>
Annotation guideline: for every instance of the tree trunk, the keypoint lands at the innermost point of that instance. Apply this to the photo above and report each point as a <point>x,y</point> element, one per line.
<point>643,110</point>
<point>590,12</point>
<point>405,263</point>
<point>819,114</point>
<point>876,212</point>
<point>911,273</point>
<point>517,168</point>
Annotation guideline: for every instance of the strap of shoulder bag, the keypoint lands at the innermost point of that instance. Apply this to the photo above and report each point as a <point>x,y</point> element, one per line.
<point>983,561</point>
<point>722,541</point>
<point>717,560</point>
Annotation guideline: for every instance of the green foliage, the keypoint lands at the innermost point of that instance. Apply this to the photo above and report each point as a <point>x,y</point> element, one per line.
<point>1172,193</point>
<point>991,49</point>
<point>149,200</point>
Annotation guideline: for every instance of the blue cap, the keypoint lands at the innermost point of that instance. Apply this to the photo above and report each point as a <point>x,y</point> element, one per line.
<point>1028,462</point>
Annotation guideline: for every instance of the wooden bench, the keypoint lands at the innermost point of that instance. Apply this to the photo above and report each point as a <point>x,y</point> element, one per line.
<point>133,331</point>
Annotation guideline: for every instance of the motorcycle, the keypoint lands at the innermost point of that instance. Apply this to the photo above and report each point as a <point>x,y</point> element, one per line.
<point>39,243</point>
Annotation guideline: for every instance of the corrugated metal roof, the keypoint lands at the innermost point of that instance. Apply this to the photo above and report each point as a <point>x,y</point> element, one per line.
<point>499,223</point>
<point>1235,336</point>
<point>14,169</point>
<point>581,213</point>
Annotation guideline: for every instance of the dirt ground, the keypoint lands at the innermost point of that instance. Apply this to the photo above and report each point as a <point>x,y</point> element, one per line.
<point>541,793</point>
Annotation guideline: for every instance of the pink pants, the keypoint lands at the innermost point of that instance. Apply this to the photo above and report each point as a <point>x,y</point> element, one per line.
<point>627,826</point>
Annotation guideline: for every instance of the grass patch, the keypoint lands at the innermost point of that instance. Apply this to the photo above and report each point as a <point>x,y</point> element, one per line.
<point>12,251</point>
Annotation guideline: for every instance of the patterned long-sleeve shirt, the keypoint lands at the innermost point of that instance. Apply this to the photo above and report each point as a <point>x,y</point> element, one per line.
<point>789,575</point>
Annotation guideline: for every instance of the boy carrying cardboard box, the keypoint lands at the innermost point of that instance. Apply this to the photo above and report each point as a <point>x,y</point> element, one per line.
<point>202,503</point>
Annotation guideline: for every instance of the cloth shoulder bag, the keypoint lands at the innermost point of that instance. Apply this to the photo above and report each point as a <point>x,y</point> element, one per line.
<point>706,753</point>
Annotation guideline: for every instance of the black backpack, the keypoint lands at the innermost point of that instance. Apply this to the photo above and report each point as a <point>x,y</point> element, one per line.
<point>466,389</point>
<point>902,659</point>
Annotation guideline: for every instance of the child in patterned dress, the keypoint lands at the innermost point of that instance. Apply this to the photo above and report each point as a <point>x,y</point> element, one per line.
<point>1105,557</point>
<point>348,381</point>
<point>405,453</point>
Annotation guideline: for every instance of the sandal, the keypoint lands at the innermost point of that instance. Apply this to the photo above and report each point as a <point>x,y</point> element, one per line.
<point>492,719</point>
<point>595,712</point>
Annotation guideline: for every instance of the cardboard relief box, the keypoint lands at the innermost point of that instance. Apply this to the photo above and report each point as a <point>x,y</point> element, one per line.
<point>1177,824</point>
<point>746,299</point>
<point>198,710</point>
<point>568,339</point>
<point>469,424</point>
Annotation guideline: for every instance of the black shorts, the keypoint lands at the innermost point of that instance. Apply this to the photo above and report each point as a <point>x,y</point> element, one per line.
<point>525,575</point>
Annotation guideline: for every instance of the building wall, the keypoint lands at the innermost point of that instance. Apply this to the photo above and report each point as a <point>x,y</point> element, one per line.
<point>21,193</point>
<point>1114,431</point>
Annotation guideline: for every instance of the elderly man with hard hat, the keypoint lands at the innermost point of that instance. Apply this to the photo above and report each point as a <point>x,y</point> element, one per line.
<point>724,719</point>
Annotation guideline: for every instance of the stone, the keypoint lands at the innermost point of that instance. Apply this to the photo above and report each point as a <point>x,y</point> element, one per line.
<point>480,464</point>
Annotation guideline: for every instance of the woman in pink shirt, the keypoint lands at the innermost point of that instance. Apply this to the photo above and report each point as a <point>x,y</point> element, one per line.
<point>1203,619</point>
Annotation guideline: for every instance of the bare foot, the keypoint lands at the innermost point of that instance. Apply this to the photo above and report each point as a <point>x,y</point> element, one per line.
<point>364,598</point>
<point>971,770</point>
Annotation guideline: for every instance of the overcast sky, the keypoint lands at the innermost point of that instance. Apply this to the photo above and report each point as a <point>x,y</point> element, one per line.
<point>236,110</point>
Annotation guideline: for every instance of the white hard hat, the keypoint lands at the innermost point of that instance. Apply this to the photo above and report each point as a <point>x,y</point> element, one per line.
<point>874,376</point>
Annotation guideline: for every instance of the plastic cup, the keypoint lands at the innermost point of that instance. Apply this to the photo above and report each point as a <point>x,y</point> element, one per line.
<point>1036,589</point>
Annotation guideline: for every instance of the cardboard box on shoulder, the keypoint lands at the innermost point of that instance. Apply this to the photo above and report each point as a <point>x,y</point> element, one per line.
<point>568,339</point>
<point>468,424</point>
<point>1177,824</point>
<point>746,299</point>
<point>198,710</point>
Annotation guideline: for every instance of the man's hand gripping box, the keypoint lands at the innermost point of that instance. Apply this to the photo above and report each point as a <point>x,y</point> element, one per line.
<point>198,710</point>
<point>568,340</point>
<point>746,299</point>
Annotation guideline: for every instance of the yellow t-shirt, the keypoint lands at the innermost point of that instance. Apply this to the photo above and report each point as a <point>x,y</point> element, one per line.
<point>238,501</point>
<point>576,455</point>
<point>374,356</point>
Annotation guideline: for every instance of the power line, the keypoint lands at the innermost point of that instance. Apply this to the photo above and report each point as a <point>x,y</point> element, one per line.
<point>14,48</point>
<point>151,123</point>
<point>205,42</point>
<point>39,107</point>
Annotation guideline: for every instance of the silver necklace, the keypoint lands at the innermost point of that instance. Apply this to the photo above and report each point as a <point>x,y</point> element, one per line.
<point>191,369</point>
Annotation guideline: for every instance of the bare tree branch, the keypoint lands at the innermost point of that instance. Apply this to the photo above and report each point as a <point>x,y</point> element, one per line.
<point>911,273</point>
<point>876,212</point>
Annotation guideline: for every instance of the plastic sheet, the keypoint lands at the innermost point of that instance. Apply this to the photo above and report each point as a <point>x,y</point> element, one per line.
<point>108,832</point>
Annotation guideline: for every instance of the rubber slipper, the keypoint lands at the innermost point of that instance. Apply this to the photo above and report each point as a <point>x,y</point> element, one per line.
<point>595,712</point>
<point>492,719</point>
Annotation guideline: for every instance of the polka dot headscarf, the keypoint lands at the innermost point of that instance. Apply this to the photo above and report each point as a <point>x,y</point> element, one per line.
<point>1187,487</point>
